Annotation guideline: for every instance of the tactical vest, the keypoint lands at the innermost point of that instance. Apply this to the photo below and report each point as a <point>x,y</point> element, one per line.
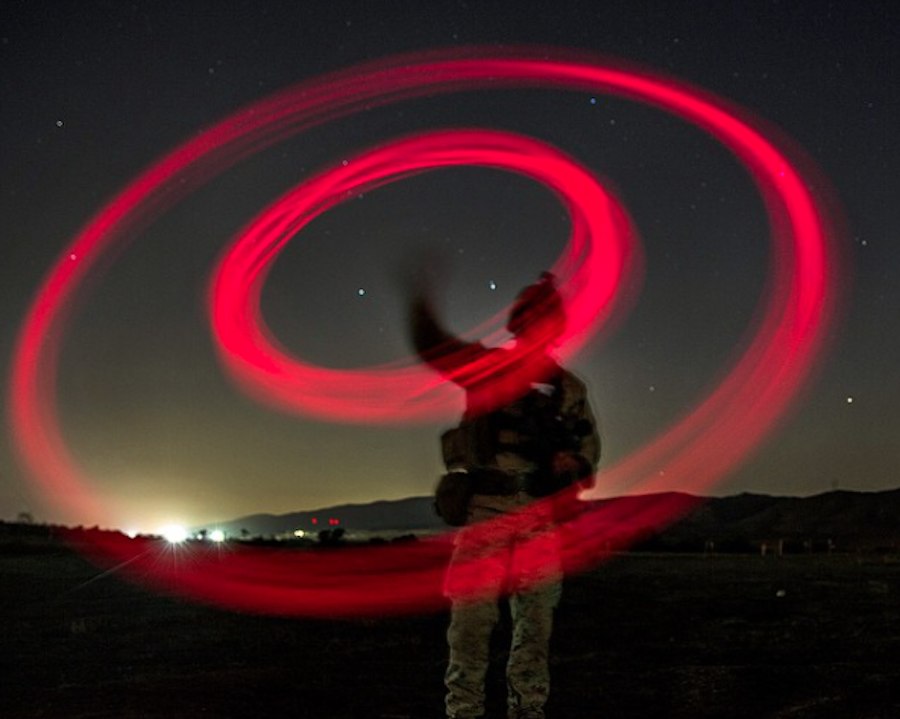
<point>521,437</point>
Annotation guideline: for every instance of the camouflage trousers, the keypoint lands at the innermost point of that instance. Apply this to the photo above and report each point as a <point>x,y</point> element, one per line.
<point>518,559</point>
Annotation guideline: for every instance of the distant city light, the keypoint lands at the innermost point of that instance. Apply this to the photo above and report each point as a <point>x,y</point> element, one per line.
<point>299,534</point>
<point>174,533</point>
<point>217,535</point>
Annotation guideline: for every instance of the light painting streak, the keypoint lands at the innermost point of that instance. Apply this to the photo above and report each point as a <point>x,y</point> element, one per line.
<point>592,268</point>
<point>711,439</point>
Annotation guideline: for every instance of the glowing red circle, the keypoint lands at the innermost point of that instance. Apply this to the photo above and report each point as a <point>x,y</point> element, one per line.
<point>710,440</point>
<point>593,264</point>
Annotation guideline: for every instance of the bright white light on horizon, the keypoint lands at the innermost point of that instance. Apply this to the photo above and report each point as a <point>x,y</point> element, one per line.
<point>217,535</point>
<point>174,533</point>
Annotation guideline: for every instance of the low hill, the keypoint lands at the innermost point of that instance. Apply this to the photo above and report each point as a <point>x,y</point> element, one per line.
<point>413,514</point>
<point>845,518</point>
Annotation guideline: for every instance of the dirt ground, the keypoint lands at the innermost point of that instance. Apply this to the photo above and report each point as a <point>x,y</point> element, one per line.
<point>643,635</point>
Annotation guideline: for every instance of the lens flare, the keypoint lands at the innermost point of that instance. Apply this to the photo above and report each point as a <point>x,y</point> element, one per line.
<point>709,441</point>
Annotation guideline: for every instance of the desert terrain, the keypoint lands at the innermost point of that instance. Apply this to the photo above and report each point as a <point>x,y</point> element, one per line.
<point>804,636</point>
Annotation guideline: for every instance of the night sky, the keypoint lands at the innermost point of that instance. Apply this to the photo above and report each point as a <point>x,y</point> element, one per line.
<point>93,93</point>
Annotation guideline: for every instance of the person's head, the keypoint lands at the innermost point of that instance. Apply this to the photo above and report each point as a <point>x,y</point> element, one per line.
<point>538,314</point>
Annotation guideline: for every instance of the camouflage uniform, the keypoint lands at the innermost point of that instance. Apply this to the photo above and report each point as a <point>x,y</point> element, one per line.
<point>534,588</point>
<point>473,620</point>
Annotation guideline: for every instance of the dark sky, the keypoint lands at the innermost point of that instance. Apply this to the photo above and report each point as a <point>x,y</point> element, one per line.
<point>93,93</point>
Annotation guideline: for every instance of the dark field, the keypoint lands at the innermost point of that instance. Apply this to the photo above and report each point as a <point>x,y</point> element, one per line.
<point>642,636</point>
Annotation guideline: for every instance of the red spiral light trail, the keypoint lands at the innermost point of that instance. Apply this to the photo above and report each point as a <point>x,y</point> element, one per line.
<point>594,264</point>
<point>710,440</point>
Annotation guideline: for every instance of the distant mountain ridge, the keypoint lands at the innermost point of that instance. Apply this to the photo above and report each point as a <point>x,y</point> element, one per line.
<point>841,516</point>
<point>410,514</point>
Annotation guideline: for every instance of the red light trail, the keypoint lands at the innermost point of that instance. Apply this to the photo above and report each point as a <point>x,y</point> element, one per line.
<point>710,440</point>
<point>591,270</point>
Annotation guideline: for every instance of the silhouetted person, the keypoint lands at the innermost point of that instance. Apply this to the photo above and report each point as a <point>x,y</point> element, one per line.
<point>527,432</point>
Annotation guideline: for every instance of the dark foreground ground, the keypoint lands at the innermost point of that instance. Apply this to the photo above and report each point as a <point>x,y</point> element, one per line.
<point>641,636</point>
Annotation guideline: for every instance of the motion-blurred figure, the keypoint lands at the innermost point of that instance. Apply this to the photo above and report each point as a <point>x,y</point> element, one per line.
<point>527,432</point>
